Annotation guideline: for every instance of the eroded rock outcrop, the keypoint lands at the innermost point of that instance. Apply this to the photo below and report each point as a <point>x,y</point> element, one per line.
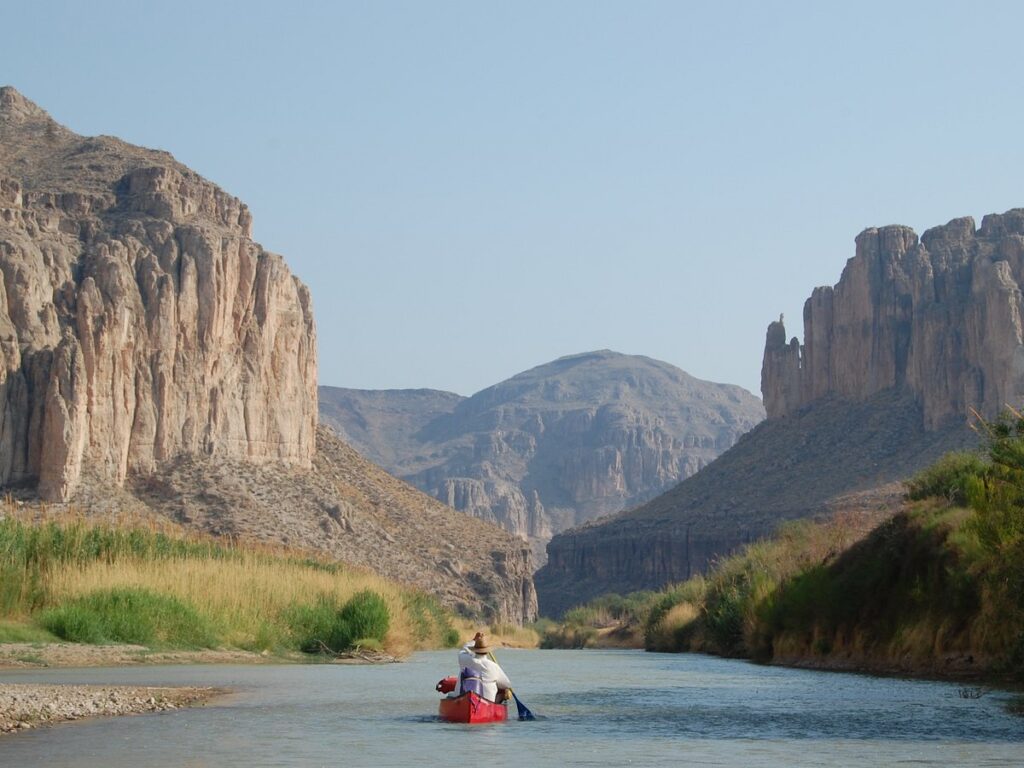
<point>156,361</point>
<point>138,319</point>
<point>939,317</point>
<point>915,334</point>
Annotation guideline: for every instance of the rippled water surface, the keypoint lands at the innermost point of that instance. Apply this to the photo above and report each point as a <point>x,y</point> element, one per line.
<point>596,708</point>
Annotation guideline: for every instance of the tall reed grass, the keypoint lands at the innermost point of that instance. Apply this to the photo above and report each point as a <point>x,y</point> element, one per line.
<point>245,596</point>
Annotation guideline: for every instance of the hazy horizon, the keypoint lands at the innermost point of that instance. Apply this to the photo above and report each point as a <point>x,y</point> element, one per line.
<point>471,191</point>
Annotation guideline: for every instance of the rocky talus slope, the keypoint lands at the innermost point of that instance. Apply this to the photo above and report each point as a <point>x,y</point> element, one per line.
<point>155,360</point>
<point>784,469</point>
<point>552,447</point>
<point>352,510</point>
<point>138,319</point>
<point>916,335</point>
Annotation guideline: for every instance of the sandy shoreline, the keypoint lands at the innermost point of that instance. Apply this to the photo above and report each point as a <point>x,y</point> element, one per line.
<point>39,655</point>
<point>36,655</point>
<point>24,706</point>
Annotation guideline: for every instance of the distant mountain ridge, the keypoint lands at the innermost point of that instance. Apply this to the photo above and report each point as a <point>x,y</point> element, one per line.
<point>551,447</point>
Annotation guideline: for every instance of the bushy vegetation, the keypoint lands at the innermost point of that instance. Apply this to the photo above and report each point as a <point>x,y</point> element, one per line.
<point>94,582</point>
<point>943,579</point>
<point>363,621</point>
<point>129,616</point>
<point>948,478</point>
<point>723,611</point>
<point>607,621</point>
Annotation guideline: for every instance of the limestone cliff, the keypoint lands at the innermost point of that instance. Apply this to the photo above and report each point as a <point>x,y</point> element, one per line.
<point>138,319</point>
<point>939,318</point>
<point>554,446</point>
<point>915,334</point>
<point>155,360</point>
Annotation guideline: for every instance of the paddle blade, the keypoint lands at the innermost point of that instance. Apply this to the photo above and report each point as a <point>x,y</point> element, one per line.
<point>524,712</point>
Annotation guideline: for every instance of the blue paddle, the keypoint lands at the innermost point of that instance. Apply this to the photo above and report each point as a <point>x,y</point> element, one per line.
<point>524,711</point>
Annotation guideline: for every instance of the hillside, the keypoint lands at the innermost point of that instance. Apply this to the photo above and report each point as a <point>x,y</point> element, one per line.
<point>351,509</point>
<point>782,470</point>
<point>552,447</point>
<point>915,335</point>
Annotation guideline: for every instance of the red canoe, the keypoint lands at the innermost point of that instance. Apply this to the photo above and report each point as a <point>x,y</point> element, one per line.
<point>470,708</point>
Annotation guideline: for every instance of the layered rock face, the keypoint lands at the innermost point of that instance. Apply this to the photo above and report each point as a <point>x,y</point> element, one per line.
<point>552,447</point>
<point>138,319</point>
<point>156,361</point>
<point>939,318</point>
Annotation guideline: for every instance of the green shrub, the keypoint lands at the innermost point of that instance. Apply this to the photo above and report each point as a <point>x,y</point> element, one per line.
<point>367,615</point>
<point>948,478</point>
<point>314,627</point>
<point>566,636</point>
<point>129,616</point>
<point>543,625</point>
<point>724,612</point>
<point>322,627</point>
<point>691,591</point>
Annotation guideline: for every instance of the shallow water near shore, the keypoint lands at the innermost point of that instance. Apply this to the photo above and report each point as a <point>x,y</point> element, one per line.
<point>596,708</point>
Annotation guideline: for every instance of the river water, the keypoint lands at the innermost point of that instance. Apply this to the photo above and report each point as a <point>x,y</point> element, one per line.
<point>595,708</point>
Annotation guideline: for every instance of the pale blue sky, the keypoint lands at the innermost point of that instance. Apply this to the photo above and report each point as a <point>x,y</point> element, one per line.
<point>471,189</point>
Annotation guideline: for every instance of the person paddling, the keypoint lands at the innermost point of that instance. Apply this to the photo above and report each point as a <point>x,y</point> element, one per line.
<point>480,674</point>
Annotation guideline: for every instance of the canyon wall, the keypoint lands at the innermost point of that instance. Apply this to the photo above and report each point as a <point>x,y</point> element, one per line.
<point>155,360</point>
<point>939,318</point>
<point>138,318</point>
<point>914,336</point>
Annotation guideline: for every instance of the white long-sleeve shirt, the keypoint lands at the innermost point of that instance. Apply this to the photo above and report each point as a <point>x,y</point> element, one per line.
<point>492,676</point>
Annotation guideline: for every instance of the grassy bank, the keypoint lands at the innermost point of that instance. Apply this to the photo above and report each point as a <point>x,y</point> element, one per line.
<point>610,621</point>
<point>83,581</point>
<point>936,589</point>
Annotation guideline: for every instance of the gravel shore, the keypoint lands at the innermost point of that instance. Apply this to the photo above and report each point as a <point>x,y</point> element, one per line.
<point>26,706</point>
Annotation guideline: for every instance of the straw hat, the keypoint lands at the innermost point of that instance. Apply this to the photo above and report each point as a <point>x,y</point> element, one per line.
<point>479,644</point>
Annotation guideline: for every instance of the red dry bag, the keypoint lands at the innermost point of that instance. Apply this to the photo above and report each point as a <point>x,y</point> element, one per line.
<point>447,685</point>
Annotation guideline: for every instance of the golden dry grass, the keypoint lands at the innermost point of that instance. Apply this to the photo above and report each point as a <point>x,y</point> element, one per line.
<point>245,597</point>
<point>245,590</point>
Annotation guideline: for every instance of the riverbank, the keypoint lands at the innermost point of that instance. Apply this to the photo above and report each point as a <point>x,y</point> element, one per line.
<point>932,587</point>
<point>41,655</point>
<point>36,655</point>
<point>27,706</point>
